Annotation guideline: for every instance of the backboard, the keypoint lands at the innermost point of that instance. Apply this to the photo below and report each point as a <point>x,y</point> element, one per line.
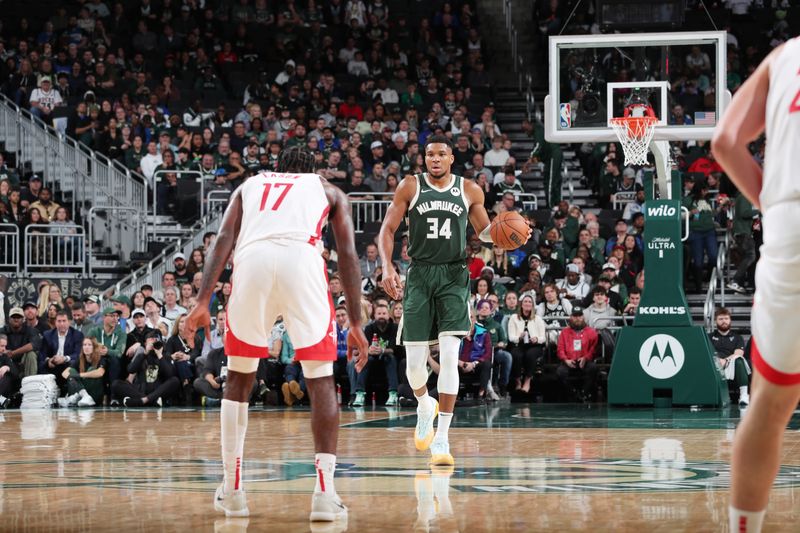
<point>681,75</point>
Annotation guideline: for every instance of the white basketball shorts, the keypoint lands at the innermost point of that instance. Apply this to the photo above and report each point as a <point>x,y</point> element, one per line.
<point>280,278</point>
<point>776,343</point>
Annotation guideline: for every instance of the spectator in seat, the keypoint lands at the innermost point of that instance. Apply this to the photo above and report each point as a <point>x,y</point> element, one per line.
<point>80,320</point>
<point>553,308</point>
<point>32,320</point>
<point>23,343</point>
<point>702,233</point>
<point>526,338</point>
<point>178,349</point>
<point>45,204</point>
<point>729,349</point>
<point>620,232</point>
<point>370,262</point>
<point>171,309</point>
<point>577,344</point>
<point>85,380</point>
<point>92,305</point>
<point>745,216</point>
<point>497,156</point>
<point>608,183</point>
<point>600,316</point>
<point>475,358</point>
<point>10,376</point>
<point>122,304</point>
<point>154,378</point>
<point>634,299</point>
<point>138,333</point>
<point>112,339</point>
<point>502,359</point>
<point>705,164</point>
<point>383,347</point>
<point>573,287</point>
<point>294,386</point>
<point>44,100</point>
<point>60,349</point>
<point>340,365</point>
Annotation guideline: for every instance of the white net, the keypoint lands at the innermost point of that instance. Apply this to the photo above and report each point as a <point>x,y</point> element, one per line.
<point>635,134</point>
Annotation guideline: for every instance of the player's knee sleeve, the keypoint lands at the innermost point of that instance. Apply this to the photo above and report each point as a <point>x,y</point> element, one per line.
<point>243,365</point>
<point>317,369</point>
<point>448,362</point>
<point>417,365</point>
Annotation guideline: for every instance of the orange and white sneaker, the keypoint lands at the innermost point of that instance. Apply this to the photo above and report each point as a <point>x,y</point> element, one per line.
<point>423,433</point>
<point>233,504</point>
<point>440,454</point>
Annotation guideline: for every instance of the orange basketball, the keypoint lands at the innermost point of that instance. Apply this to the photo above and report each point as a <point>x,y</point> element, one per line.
<point>509,230</point>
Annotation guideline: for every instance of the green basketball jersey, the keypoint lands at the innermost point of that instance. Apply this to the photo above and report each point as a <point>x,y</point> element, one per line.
<point>437,222</point>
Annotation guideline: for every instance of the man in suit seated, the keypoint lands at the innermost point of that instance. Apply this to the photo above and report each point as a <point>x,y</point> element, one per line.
<point>60,349</point>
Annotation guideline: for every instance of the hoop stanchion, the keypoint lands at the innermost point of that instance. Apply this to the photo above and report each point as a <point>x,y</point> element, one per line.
<point>635,134</point>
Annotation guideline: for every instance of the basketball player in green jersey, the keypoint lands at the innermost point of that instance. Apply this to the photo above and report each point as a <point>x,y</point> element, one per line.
<point>438,205</point>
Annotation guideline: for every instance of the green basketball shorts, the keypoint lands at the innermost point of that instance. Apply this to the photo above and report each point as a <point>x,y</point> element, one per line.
<point>436,303</point>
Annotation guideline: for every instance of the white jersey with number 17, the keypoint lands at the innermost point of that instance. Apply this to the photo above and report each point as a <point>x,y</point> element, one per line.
<point>282,207</point>
<point>781,183</point>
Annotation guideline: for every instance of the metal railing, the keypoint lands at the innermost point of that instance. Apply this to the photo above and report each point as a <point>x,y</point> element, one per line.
<point>530,202</point>
<point>151,272</point>
<point>123,232</point>
<point>217,201</point>
<point>55,247</point>
<point>621,199</point>
<point>557,323</point>
<point>157,179</point>
<point>9,247</point>
<point>67,164</point>
<point>368,207</point>
<point>718,276</point>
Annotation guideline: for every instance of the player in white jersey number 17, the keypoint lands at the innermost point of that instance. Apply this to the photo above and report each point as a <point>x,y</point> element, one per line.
<point>767,99</point>
<point>265,239</point>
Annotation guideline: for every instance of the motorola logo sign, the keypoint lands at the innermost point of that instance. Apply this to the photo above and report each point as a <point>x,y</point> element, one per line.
<point>662,211</point>
<point>661,356</point>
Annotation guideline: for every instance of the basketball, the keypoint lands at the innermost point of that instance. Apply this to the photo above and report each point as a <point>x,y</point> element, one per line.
<point>509,230</point>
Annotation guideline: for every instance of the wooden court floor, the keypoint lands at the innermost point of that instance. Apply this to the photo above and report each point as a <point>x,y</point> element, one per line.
<point>518,468</point>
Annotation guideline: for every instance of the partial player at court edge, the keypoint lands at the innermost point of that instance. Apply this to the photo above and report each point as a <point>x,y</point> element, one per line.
<point>769,100</point>
<point>273,225</point>
<point>437,205</point>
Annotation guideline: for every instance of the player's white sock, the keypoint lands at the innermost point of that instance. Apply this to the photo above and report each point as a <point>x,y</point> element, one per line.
<point>743,392</point>
<point>424,402</point>
<point>325,463</point>
<point>745,521</point>
<point>443,427</point>
<point>233,426</point>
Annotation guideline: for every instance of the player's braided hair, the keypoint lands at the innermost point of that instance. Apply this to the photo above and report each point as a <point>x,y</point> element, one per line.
<point>296,159</point>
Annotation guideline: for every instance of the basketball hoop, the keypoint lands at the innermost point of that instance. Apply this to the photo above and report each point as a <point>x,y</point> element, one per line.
<point>635,134</point>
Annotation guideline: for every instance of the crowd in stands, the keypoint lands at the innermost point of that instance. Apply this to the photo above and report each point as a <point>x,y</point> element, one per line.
<point>219,88</point>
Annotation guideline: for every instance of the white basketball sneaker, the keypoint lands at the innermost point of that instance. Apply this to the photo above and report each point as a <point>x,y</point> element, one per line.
<point>233,504</point>
<point>327,507</point>
<point>423,432</point>
<point>86,400</point>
